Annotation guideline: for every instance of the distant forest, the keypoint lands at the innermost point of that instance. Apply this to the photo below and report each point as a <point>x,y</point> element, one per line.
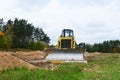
<point>21,34</point>
<point>110,46</point>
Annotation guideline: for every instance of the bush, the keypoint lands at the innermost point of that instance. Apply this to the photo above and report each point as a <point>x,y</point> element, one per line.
<point>37,45</point>
<point>1,42</point>
<point>7,42</point>
<point>32,45</point>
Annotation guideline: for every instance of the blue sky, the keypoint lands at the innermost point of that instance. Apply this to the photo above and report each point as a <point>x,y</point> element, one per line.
<point>93,21</point>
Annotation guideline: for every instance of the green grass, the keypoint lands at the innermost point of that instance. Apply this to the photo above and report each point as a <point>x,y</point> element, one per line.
<point>104,67</point>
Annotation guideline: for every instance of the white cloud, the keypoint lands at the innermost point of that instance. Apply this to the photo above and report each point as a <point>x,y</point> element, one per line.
<point>6,7</point>
<point>92,21</point>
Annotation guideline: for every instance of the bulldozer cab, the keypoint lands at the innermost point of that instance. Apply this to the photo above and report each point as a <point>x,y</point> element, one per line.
<point>66,40</point>
<point>67,33</point>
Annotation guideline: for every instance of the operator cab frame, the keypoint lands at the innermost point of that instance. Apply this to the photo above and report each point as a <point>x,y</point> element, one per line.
<point>67,33</point>
<point>66,39</point>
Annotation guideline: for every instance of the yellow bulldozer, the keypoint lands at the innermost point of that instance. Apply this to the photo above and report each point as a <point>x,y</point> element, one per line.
<point>66,49</point>
<point>66,39</point>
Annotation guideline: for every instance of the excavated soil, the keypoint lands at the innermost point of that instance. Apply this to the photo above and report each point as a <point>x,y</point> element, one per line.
<point>28,59</point>
<point>34,57</point>
<point>9,61</point>
<point>30,55</point>
<point>91,56</point>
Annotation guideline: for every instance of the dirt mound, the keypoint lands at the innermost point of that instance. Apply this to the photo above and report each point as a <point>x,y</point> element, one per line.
<point>91,56</point>
<point>9,61</point>
<point>30,55</point>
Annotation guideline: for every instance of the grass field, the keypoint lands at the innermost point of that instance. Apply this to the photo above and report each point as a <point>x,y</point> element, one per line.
<point>103,67</point>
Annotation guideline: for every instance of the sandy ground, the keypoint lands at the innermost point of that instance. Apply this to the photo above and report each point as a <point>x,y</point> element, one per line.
<point>33,57</point>
<point>30,55</point>
<point>19,59</point>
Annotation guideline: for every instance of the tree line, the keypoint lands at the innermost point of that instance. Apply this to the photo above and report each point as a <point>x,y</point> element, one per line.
<point>111,46</point>
<point>21,34</point>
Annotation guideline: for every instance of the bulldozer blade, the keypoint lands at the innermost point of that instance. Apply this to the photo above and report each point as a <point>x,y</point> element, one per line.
<point>62,56</point>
